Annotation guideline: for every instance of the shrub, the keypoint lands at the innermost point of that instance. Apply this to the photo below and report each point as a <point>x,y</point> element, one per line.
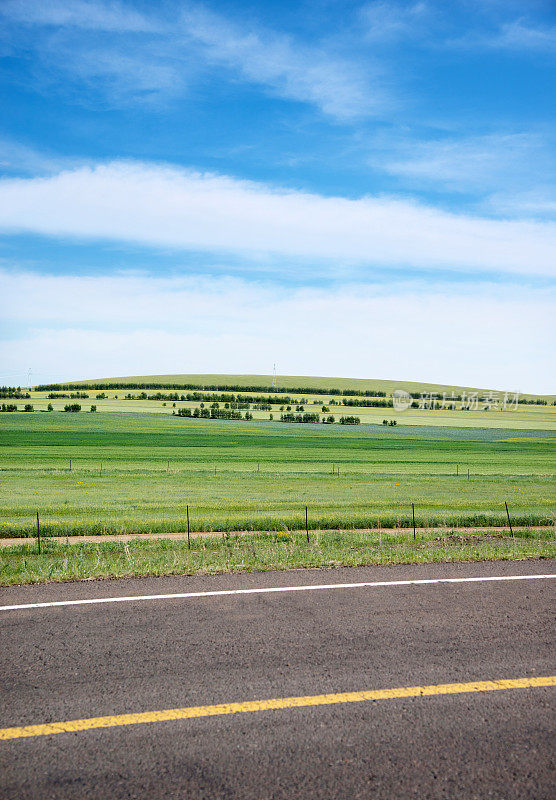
<point>28,407</point>
<point>93,408</point>
<point>72,407</point>
<point>50,407</point>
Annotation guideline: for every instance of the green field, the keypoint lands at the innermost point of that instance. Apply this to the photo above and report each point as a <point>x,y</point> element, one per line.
<point>527,416</point>
<point>137,473</point>
<point>287,382</point>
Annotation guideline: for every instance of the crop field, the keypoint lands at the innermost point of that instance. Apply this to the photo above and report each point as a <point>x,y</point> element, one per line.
<point>136,473</point>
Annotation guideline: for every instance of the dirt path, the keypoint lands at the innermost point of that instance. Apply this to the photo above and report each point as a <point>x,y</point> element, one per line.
<point>131,537</point>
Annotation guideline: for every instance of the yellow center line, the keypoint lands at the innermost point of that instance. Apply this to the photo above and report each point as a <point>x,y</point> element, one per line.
<point>75,725</point>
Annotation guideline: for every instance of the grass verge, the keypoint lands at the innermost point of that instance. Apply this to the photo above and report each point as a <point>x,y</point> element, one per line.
<point>259,552</point>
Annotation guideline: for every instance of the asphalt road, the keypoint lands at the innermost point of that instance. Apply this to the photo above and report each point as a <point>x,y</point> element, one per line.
<point>82,661</point>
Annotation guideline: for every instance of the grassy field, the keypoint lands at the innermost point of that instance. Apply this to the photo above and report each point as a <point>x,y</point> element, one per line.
<point>133,467</point>
<point>259,552</point>
<point>287,382</point>
<point>525,418</point>
<point>137,472</point>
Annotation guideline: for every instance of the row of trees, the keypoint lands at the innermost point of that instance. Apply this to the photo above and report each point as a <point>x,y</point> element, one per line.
<point>213,413</point>
<point>315,418</point>
<point>350,401</point>
<point>74,396</point>
<point>45,387</point>
<point>29,407</point>
<point>307,417</point>
<point>14,393</point>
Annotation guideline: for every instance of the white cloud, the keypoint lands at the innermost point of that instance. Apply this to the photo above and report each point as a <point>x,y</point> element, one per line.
<point>535,203</point>
<point>291,69</point>
<point>517,35</point>
<point>478,163</point>
<point>84,327</point>
<point>109,16</point>
<point>16,157</point>
<point>159,52</point>
<point>387,22</point>
<point>130,78</point>
<point>166,206</point>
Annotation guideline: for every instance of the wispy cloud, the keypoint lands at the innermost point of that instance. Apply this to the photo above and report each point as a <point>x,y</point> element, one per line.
<point>99,16</point>
<point>388,22</point>
<point>518,35</point>
<point>484,25</point>
<point>167,206</point>
<point>339,87</point>
<point>491,162</point>
<point>129,78</point>
<point>18,158</point>
<point>534,204</point>
<point>144,54</point>
<point>77,327</point>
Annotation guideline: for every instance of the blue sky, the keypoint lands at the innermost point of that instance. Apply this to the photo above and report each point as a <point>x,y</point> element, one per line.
<point>344,188</point>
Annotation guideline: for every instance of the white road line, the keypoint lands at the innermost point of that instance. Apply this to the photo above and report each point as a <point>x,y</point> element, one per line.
<point>271,589</point>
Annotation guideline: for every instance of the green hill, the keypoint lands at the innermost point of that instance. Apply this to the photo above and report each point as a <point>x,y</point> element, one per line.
<point>289,383</point>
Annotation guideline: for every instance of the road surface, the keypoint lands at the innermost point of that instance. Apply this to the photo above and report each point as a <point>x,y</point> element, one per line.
<point>475,739</point>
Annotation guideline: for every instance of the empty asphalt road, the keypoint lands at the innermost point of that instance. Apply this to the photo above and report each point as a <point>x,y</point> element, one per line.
<point>199,653</point>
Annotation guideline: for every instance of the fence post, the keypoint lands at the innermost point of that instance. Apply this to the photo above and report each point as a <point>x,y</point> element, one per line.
<point>509,520</point>
<point>38,533</point>
<point>188,539</point>
<point>457,469</point>
<point>307,523</point>
<point>70,465</point>
<point>413,513</point>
